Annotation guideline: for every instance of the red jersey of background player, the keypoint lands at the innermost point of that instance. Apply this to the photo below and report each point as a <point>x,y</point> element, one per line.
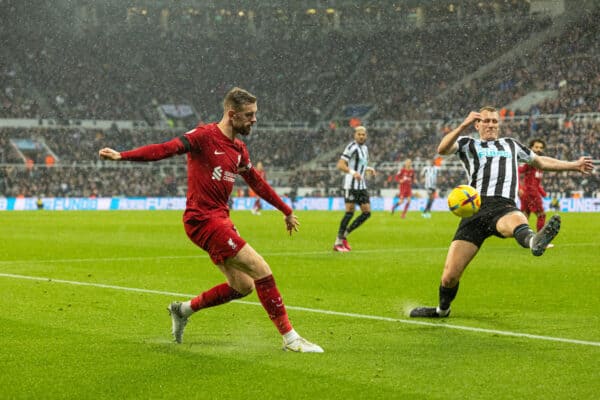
<point>531,181</point>
<point>405,178</point>
<point>213,162</point>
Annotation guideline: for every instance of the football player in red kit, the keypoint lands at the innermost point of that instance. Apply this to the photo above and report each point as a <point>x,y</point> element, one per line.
<point>405,178</point>
<point>531,191</point>
<point>214,157</point>
<point>257,207</point>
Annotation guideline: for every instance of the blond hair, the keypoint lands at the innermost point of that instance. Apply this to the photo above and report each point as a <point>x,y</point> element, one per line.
<point>237,98</point>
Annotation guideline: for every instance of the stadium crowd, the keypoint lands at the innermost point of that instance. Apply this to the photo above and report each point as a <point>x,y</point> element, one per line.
<point>84,75</point>
<point>77,172</point>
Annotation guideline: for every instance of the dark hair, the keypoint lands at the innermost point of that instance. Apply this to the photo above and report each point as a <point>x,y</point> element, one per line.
<point>237,98</point>
<point>534,141</point>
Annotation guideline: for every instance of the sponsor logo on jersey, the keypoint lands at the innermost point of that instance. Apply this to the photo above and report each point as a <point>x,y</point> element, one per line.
<point>217,173</point>
<point>481,152</point>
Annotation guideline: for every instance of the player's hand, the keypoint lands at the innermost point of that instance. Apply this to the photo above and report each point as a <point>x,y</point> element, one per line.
<point>585,165</point>
<point>473,117</point>
<point>109,154</point>
<point>291,223</point>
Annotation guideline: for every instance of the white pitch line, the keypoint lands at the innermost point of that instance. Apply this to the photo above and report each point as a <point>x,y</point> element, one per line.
<point>319,311</point>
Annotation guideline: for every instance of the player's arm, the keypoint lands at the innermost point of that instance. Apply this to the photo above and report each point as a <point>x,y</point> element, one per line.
<point>541,191</point>
<point>583,164</point>
<point>343,166</point>
<point>262,188</point>
<point>151,152</point>
<point>448,144</point>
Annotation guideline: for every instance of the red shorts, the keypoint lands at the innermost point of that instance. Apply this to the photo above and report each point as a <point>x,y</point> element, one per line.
<point>405,192</point>
<point>217,236</point>
<point>532,203</point>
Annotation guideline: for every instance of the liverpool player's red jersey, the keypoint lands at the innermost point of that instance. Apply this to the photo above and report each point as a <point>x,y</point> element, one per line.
<point>405,178</point>
<point>213,162</point>
<point>531,181</point>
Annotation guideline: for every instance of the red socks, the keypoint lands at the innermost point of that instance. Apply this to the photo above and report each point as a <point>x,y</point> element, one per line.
<point>220,294</point>
<point>272,302</point>
<point>267,292</point>
<point>541,221</point>
<point>405,208</point>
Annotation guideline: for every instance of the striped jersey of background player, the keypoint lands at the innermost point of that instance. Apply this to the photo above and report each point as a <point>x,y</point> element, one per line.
<point>354,163</point>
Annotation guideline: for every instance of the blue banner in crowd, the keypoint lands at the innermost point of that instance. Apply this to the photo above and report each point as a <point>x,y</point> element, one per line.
<point>246,203</point>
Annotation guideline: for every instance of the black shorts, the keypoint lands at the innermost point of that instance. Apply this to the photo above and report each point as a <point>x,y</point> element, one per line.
<point>477,228</point>
<point>357,196</point>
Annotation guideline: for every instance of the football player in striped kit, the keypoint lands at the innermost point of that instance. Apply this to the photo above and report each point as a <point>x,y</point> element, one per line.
<point>354,163</point>
<point>429,174</point>
<point>492,165</point>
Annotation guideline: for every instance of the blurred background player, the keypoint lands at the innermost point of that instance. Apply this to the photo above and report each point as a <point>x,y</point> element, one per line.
<point>354,163</point>
<point>531,191</point>
<point>257,203</point>
<point>429,175</point>
<point>405,178</point>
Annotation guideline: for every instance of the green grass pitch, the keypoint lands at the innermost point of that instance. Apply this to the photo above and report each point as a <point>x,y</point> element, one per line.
<point>84,295</point>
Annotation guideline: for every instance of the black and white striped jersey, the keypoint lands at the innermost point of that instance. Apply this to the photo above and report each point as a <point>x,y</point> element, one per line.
<point>357,157</point>
<point>430,172</point>
<point>492,166</point>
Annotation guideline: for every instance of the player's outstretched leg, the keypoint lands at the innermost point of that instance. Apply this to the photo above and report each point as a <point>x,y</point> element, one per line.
<point>178,319</point>
<point>542,239</point>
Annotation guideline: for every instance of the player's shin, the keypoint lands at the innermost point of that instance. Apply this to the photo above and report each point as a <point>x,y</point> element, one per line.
<point>447,294</point>
<point>541,221</point>
<point>215,296</point>
<point>271,300</point>
<point>359,221</point>
<point>523,235</point>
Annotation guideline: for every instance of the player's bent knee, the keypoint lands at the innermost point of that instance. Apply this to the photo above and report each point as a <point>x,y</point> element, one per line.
<point>244,289</point>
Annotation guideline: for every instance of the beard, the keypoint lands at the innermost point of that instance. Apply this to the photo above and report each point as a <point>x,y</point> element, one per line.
<point>241,129</point>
